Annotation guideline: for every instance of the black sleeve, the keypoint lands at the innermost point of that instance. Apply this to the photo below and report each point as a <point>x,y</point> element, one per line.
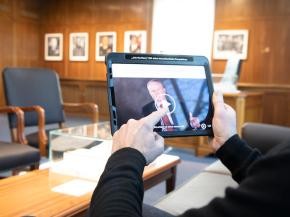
<point>120,188</point>
<point>237,156</point>
<point>264,191</point>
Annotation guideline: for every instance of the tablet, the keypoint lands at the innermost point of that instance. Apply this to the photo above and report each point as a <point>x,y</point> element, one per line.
<point>139,84</point>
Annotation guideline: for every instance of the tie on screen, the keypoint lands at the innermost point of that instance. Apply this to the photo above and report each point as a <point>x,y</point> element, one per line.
<point>166,122</point>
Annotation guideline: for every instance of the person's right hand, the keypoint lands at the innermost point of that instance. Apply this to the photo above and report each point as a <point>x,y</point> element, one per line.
<point>224,121</point>
<point>139,134</point>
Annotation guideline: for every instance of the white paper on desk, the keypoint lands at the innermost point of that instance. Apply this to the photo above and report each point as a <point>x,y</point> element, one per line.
<point>84,163</point>
<point>76,187</point>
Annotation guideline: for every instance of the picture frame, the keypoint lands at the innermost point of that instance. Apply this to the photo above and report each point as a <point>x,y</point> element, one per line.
<point>79,46</point>
<point>135,41</point>
<point>53,47</point>
<point>105,43</point>
<point>228,43</point>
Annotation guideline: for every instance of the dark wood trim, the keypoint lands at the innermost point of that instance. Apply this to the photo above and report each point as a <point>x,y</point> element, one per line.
<point>74,81</point>
<point>271,87</point>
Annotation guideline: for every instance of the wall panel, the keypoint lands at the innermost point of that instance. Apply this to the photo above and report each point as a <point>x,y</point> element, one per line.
<point>19,35</point>
<point>24,23</point>
<point>6,51</point>
<point>267,67</point>
<point>92,16</point>
<point>276,103</point>
<point>87,91</point>
<point>269,34</point>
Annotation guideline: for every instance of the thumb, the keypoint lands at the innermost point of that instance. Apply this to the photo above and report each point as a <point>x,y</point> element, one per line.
<point>218,100</point>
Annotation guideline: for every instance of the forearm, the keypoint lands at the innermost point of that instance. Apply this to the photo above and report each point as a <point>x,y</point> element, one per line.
<point>237,156</point>
<point>263,192</point>
<point>120,188</point>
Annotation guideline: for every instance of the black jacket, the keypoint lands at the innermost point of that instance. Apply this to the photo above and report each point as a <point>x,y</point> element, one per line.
<point>264,189</point>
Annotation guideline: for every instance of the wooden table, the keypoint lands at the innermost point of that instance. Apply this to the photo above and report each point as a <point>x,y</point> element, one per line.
<point>31,194</point>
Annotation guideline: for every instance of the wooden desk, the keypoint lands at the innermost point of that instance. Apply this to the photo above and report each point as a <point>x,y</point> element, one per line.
<point>31,194</point>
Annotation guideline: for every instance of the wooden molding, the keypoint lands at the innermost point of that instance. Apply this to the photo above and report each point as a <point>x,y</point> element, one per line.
<point>270,87</point>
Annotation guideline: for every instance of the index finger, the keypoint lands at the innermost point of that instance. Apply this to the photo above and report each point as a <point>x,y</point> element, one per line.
<point>154,117</point>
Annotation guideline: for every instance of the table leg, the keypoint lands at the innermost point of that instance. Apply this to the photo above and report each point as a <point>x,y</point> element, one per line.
<point>170,183</point>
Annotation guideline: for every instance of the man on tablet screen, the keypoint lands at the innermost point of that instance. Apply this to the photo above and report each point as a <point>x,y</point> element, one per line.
<point>162,100</point>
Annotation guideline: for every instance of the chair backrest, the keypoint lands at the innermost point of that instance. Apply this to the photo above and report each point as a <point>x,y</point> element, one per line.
<point>264,136</point>
<point>33,86</point>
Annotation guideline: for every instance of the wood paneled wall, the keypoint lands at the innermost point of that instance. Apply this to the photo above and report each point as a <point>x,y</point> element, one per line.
<point>19,35</point>
<point>276,102</point>
<point>87,91</point>
<point>67,16</point>
<point>23,24</point>
<point>267,67</point>
<point>269,37</point>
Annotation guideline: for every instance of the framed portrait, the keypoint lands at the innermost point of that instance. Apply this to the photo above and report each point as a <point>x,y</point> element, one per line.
<point>229,43</point>
<point>135,41</point>
<point>79,46</point>
<point>53,46</point>
<point>105,43</point>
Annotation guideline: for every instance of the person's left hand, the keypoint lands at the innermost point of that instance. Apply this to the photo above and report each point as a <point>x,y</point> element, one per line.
<point>139,134</point>
<point>194,121</point>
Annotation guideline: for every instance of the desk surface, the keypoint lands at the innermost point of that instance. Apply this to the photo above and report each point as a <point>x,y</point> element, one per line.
<point>31,194</point>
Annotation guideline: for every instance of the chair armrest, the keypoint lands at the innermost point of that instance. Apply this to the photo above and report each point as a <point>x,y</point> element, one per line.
<point>18,135</point>
<point>264,136</point>
<point>42,138</point>
<point>91,108</point>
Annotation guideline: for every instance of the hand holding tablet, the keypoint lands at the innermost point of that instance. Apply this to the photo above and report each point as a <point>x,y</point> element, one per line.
<point>139,84</point>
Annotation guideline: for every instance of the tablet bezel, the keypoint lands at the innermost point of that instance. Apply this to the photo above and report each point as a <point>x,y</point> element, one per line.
<point>158,59</point>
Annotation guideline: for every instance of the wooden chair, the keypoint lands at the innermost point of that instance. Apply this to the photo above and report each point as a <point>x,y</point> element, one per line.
<point>37,92</point>
<point>17,154</point>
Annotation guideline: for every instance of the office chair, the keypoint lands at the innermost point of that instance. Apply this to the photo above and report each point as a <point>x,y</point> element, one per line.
<point>17,154</point>
<point>38,93</point>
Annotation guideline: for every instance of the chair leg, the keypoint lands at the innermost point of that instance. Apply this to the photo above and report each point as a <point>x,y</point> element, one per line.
<point>34,166</point>
<point>15,172</point>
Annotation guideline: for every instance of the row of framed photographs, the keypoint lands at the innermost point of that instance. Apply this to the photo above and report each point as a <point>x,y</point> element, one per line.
<point>106,42</point>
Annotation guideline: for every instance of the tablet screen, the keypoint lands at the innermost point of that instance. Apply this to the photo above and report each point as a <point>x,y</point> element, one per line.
<point>140,89</point>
